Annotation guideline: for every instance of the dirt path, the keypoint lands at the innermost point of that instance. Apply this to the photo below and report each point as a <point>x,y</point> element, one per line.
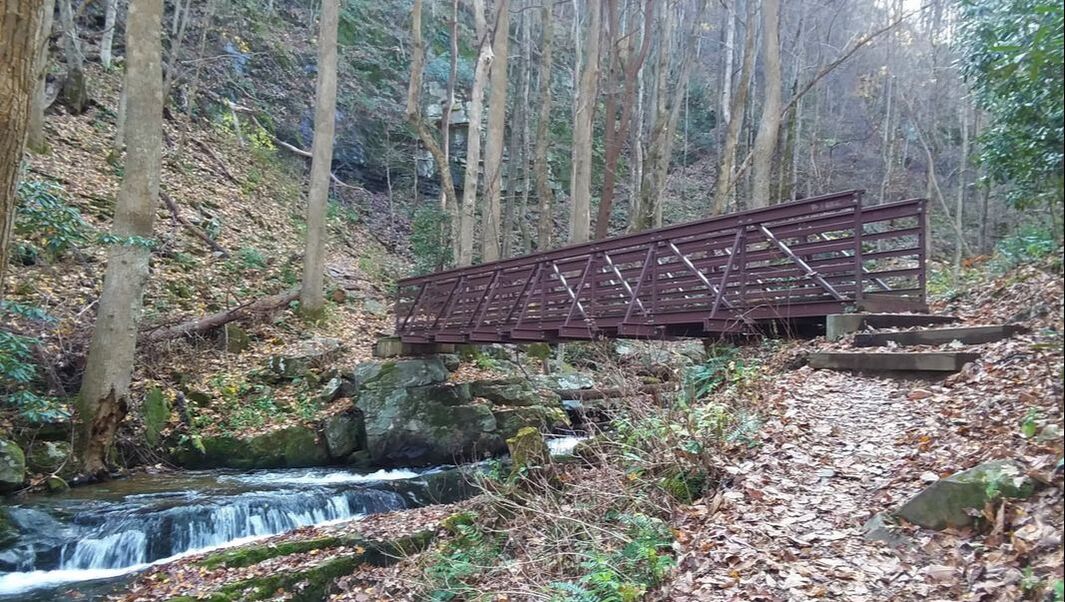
<point>790,527</point>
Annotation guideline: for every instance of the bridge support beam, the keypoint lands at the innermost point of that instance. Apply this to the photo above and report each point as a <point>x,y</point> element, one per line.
<point>387,347</point>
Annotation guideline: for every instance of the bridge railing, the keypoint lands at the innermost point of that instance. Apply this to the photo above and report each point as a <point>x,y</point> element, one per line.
<point>728,273</point>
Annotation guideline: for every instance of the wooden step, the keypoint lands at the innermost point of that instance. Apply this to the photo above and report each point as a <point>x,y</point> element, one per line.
<point>884,302</point>
<point>973,335</point>
<point>838,326</point>
<point>930,361</point>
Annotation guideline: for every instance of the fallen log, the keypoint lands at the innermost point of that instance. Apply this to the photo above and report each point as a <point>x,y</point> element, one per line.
<point>198,233</point>
<point>215,320</point>
<point>616,392</point>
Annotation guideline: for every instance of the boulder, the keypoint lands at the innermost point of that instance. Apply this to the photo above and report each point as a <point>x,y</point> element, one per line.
<point>289,447</point>
<point>156,414</point>
<point>343,434</point>
<point>948,502</point>
<point>511,420</point>
<point>12,465</point>
<point>506,392</point>
<point>527,448</point>
<point>304,356</point>
<point>235,338</point>
<point>47,457</point>
<point>398,374</point>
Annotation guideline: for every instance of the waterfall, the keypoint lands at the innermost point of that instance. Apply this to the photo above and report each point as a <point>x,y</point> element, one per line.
<point>72,539</point>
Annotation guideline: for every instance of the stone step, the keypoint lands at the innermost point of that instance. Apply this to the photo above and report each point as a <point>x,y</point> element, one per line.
<point>838,326</point>
<point>925,361</point>
<point>973,335</point>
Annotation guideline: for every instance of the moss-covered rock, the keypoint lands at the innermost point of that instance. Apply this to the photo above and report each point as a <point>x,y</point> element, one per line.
<point>47,457</point>
<point>398,374</point>
<point>527,448</point>
<point>12,465</point>
<point>156,414</point>
<point>948,502</point>
<point>510,420</point>
<point>299,359</point>
<point>289,447</point>
<point>507,392</point>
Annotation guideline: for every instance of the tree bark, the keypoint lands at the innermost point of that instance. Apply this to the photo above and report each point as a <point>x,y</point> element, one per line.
<point>615,134</point>
<point>75,93</point>
<point>108,37</point>
<point>35,139</point>
<point>312,290</point>
<point>491,244</point>
<point>104,397</point>
<point>414,117</point>
<point>544,194</point>
<point>726,169</point>
<point>210,322</point>
<point>20,25</point>
<point>730,60</point>
<point>473,136</point>
<point>448,201</point>
<point>581,181</point>
<point>765,142</point>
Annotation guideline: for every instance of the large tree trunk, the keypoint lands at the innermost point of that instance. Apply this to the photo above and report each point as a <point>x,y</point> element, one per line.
<point>730,60</point>
<point>312,291</point>
<point>35,139</point>
<point>108,37</point>
<point>581,182</point>
<point>726,168</point>
<point>546,224</point>
<point>493,148</point>
<point>75,93</point>
<point>20,24</point>
<point>473,136</point>
<point>448,201</point>
<point>104,397</point>
<point>765,142</point>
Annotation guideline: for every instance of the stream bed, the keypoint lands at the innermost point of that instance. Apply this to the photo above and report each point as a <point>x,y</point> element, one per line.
<point>90,537</point>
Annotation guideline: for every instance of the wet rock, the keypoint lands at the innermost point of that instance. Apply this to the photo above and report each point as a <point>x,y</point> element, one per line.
<point>12,465</point>
<point>303,357</point>
<point>289,447</point>
<point>56,484</point>
<point>343,434</point>
<point>156,413</point>
<point>47,457</point>
<point>947,502</point>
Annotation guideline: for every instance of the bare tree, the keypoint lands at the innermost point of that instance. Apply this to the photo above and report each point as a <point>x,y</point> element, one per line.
<point>35,139</point>
<point>473,139</point>
<point>20,20</point>
<point>414,115</point>
<point>108,37</point>
<point>625,65</point>
<point>726,167</point>
<point>544,194</point>
<point>493,149</point>
<point>765,143</point>
<point>75,92</point>
<point>584,115</point>
<point>104,398</point>
<point>312,293</point>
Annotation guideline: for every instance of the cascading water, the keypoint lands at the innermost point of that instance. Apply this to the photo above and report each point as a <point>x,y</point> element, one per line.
<point>74,538</point>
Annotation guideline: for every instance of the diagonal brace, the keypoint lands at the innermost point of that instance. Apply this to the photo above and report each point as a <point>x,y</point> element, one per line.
<point>805,267</point>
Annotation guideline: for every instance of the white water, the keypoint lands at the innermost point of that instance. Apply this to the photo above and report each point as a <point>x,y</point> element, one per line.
<point>563,446</point>
<point>104,540</point>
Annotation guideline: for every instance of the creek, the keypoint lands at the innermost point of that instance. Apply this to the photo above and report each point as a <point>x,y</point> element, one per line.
<point>90,537</point>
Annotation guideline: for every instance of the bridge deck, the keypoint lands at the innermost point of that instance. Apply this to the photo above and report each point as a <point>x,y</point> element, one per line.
<point>734,273</point>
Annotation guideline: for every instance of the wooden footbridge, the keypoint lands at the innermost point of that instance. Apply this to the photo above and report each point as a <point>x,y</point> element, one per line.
<point>785,266</point>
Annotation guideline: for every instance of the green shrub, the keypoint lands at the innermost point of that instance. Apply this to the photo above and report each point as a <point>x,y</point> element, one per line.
<point>46,223</point>
<point>430,239</point>
<point>1028,244</point>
